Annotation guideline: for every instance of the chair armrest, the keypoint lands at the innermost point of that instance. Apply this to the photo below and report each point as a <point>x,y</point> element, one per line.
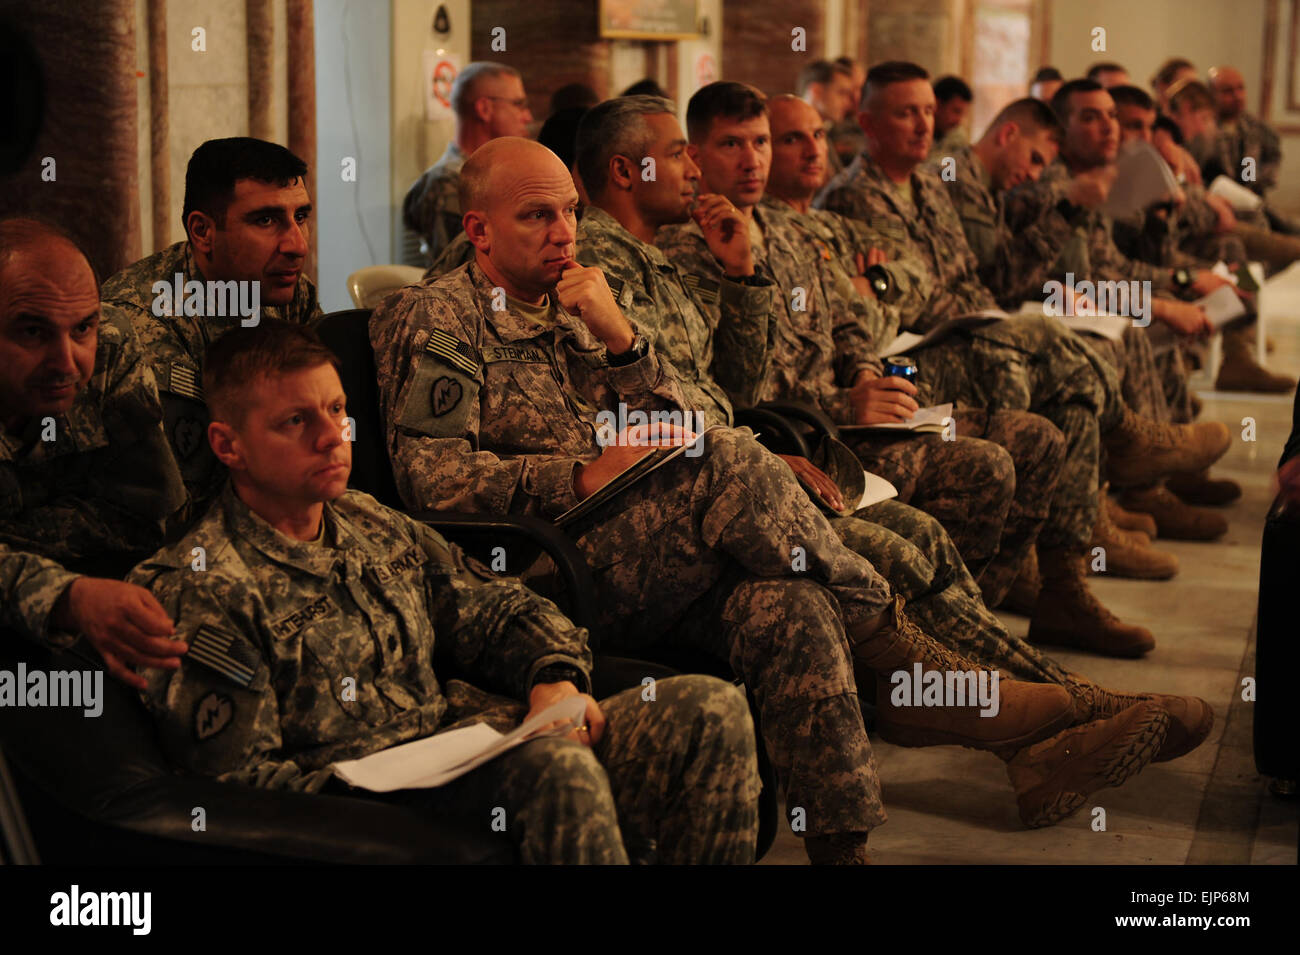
<point>480,531</point>
<point>775,432</point>
<point>805,414</point>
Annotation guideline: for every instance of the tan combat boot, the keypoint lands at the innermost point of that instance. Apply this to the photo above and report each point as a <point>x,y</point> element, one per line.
<point>1174,519</point>
<point>1130,520</point>
<point>1069,615</point>
<point>1053,779</point>
<point>1127,553</point>
<point>1023,595</point>
<point>1190,717</point>
<point>1201,490</point>
<point>1025,712</point>
<point>1140,451</point>
<point>1240,371</point>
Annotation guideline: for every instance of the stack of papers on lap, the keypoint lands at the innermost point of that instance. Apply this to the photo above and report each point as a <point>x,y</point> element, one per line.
<point>1103,326</point>
<point>1143,178</point>
<point>438,759</point>
<point>909,341</point>
<point>1239,197</point>
<point>1222,306</point>
<point>924,421</point>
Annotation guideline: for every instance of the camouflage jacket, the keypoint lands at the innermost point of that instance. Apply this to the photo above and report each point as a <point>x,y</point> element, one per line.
<point>458,251</point>
<point>1102,260</point>
<point>926,227</point>
<point>1015,256</point>
<point>302,654</point>
<point>431,208</point>
<point>174,346</point>
<point>815,351</point>
<point>86,492</point>
<point>492,411</point>
<point>1248,137</point>
<point>691,318</point>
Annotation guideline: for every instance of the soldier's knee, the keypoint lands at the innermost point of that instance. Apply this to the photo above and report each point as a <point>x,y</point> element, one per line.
<point>716,705</point>
<point>561,772</point>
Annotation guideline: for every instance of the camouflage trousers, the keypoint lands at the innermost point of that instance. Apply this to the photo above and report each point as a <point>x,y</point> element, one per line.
<point>1037,365</point>
<point>678,772</point>
<point>913,552</point>
<point>991,488</point>
<point>725,553</point>
<point>1173,368</point>
<point>1133,358</point>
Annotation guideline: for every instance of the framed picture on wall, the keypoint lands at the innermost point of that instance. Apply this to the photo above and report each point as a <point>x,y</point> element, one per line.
<point>649,19</point>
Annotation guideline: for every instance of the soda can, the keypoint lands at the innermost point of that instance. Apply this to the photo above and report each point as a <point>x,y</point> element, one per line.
<point>900,366</point>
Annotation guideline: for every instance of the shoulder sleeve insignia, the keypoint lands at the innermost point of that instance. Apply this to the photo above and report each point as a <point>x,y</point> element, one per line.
<point>181,379</point>
<point>707,290</point>
<point>222,653</point>
<point>212,714</point>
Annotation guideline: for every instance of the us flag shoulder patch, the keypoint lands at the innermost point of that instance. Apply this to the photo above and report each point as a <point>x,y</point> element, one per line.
<point>220,652</point>
<point>705,289</point>
<point>452,351</point>
<point>184,380</point>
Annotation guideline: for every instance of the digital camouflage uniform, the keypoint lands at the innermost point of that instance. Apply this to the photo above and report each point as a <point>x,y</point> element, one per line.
<point>1236,140</point>
<point>1015,258</point>
<point>494,411</point>
<point>306,653</point>
<point>431,208</point>
<point>458,251</point>
<point>93,500</point>
<point>174,347</point>
<point>972,486</point>
<point>907,547</point>
<point>1025,364</point>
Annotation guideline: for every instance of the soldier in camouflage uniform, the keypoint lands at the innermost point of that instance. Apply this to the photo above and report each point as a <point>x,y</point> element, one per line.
<point>910,550</point>
<point>488,100</point>
<point>1026,363</point>
<point>495,403</point>
<point>232,187</point>
<point>317,627</point>
<point>86,483</point>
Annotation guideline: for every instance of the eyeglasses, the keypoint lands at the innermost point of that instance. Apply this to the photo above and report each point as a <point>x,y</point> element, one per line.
<point>520,104</point>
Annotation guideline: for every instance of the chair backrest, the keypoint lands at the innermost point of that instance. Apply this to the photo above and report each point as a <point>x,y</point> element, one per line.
<point>348,335</point>
<point>369,286</point>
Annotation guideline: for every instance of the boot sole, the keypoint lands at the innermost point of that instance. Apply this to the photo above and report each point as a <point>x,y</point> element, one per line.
<point>1062,638</point>
<point>1135,749</point>
<point>918,737</point>
<point>1185,743</point>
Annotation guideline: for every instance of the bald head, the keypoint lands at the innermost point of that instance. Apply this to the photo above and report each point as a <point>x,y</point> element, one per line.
<point>519,205</point>
<point>798,149</point>
<point>49,321</point>
<point>1228,88</point>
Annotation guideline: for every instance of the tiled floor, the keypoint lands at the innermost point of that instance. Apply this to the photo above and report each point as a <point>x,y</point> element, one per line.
<point>950,806</point>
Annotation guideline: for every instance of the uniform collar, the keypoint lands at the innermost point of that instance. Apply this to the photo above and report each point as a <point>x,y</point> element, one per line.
<point>315,559</point>
<point>510,324</point>
<point>597,220</point>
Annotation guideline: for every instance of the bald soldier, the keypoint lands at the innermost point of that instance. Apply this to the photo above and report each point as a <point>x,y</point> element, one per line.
<point>919,560</point>
<point>1244,147</point>
<point>247,219</point>
<point>321,617</point>
<point>86,482</point>
<point>491,381</point>
<point>488,100</point>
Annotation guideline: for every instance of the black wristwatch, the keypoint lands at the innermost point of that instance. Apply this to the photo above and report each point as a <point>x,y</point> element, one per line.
<point>640,348</point>
<point>880,281</point>
<point>1182,279</point>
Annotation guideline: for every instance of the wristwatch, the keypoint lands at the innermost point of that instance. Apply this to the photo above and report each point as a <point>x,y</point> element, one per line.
<point>640,348</point>
<point>1182,279</point>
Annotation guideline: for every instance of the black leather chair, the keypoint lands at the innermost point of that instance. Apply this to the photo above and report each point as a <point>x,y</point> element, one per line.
<point>1277,646</point>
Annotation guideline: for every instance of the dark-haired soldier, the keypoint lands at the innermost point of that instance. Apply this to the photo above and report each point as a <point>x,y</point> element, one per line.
<point>86,482</point>
<point>952,97</point>
<point>246,216</point>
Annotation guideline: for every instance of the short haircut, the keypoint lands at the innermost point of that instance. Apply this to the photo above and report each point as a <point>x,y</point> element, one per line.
<point>559,132</point>
<point>1061,100</point>
<point>1194,93</point>
<point>1169,69</point>
<point>820,71</point>
<point>1095,71</point>
<point>464,91</point>
<point>952,87</point>
<point>645,87</point>
<point>887,74</point>
<point>1169,126</point>
<point>736,101</point>
<point>1132,96</point>
<point>1046,73</point>
<point>847,62</point>
<point>615,127</point>
<point>235,361</point>
<point>1030,114</point>
<point>218,164</point>
<point>17,232</point>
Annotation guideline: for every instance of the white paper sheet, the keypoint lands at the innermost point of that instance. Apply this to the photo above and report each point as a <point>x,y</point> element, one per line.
<point>438,759</point>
